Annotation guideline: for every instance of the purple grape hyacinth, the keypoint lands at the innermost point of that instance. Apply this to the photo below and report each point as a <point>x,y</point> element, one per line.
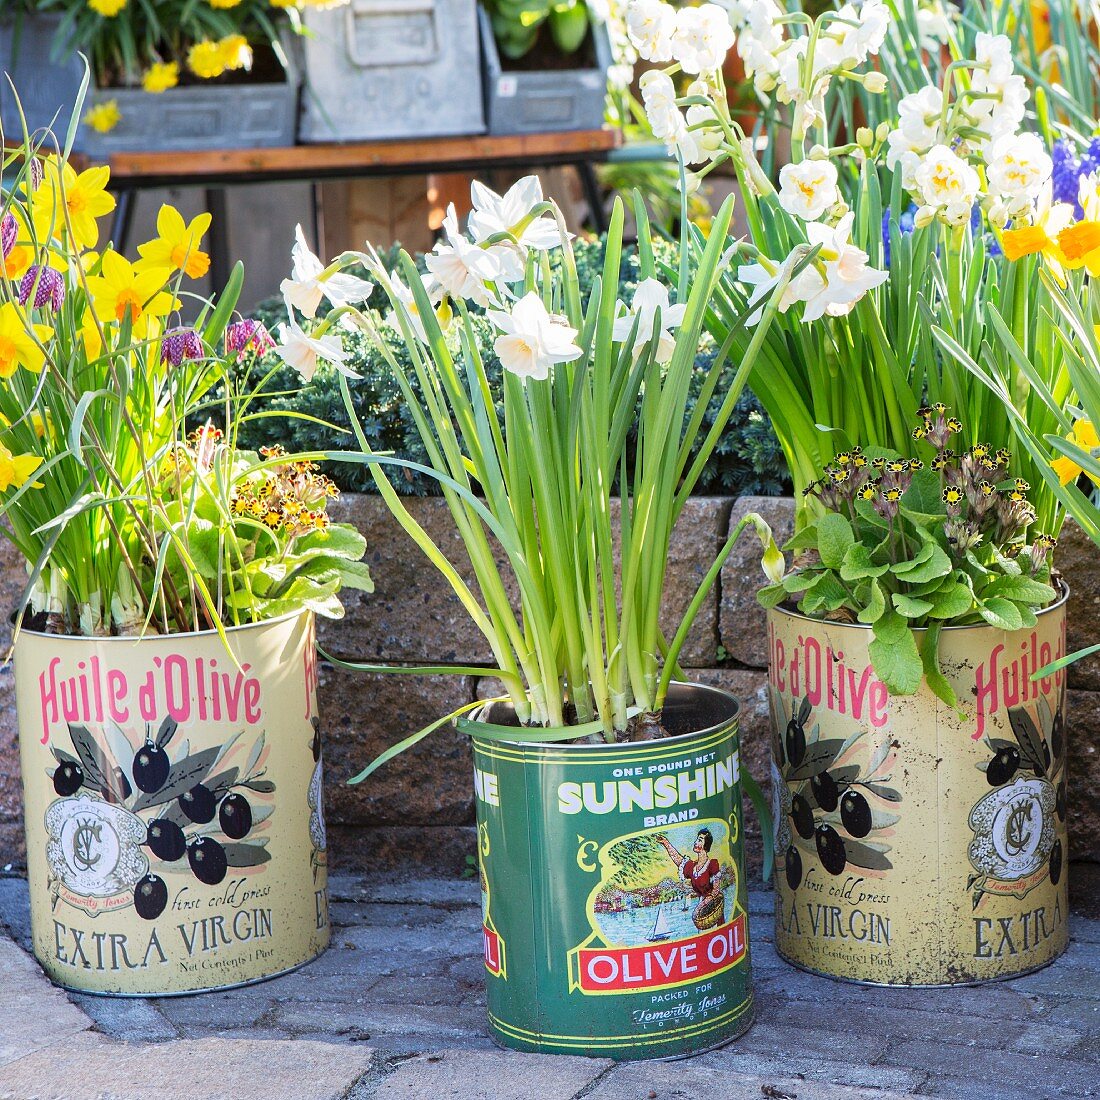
<point>180,344</point>
<point>45,284</point>
<point>1069,169</point>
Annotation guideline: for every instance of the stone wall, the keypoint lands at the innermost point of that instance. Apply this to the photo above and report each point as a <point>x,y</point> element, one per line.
<point>420,806</point>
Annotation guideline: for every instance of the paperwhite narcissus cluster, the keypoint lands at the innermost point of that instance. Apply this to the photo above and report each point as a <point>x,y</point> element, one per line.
<point>480,266</point>
<point>944,144</point>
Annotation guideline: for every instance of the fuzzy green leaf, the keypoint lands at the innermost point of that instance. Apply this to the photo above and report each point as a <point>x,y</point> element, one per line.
<point>909,606</point>
<point>1000,612</point>
<point>857,564</point>
<point>936,564</point>
<point>876,605</point>
<point>834,536</point>
<point>894,655</point>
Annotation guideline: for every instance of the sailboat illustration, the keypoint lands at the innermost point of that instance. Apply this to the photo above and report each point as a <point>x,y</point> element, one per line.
<point>661,928</point>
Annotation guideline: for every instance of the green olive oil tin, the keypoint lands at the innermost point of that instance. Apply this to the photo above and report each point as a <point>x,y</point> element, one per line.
<point>613,887</point>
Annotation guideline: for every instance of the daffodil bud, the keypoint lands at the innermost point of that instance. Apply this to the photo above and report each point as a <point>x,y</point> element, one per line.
<point>758,179</point>
<point>819,152</point>
<point>875,83</point>
<point>924,217</point>
<point>882,131</point>
<point>865,137</point>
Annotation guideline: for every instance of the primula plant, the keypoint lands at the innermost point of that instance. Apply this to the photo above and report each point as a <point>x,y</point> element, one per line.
<point>902,546</point>
<point>121,481</point>
<point>582,652</point>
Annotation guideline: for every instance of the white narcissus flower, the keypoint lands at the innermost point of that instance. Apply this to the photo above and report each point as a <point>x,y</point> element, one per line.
<point>493,213</point>
<point>650,301</point>
<point>847,276</point>
<point>808,189</point>
<point>308,283</point>
<point>948,184</point>
<point>462,269</point>
<point>702,38</point>
<point>304,352</point>
<point>994,53</point>
<point>1018,166</point>
<point>919,117</point>
<point>407,303</point>
<point>934,26</point>
<point>1088,195</point>
<point>847,44</point>
<point>760,38</point>
<point>532,339</point>
<point>650,25</point>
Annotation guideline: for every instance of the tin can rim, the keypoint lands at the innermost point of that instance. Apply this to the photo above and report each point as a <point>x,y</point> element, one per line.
<point>1058,603</point>
<point>130,639</point>
<point>681,686</point>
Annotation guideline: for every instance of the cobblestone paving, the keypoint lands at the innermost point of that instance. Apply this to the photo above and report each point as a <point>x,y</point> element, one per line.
<point>400,993</point>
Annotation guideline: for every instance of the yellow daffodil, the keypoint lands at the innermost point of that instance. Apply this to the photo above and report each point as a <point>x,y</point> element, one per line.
<point>205,60</point>
<point>160,76</point>
<point>1084,436</point>
<point>17,261</point>
<point>107,8</point>
<point>16,469</point>
<point>1049,220</point>
<point>235,52</point>
<point>224,5</point>
<point>1080,245</point>
<point>103,117</point>
<point>121,291</point>
<point>38,422</point>
<point>18,344</point>
<point>177,246</point>
<point>85,198</point>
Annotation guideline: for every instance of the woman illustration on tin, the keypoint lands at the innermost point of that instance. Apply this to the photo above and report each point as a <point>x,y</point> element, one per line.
<point>704,875</point>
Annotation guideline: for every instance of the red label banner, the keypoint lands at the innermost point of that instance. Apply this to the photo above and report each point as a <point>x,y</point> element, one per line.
<point>493,950</point>
<point>659,965</point>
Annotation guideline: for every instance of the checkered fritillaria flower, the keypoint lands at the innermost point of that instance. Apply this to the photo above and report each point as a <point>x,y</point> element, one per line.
<point>180,344</point>
<point>44,285</point>
<point>247,335</point>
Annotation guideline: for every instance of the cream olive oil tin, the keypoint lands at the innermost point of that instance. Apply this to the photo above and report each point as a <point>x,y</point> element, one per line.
<point>175,830</point>
<point>915,846</point>
<point>613,888</point>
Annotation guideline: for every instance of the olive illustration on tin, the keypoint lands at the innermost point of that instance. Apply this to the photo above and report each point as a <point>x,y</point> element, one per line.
<point>825,791</point>
<point>150,897</point>
<point>1057,737</point>
<point>166,840</point>
<point>1060,800</point>
<point>802,816</point>
<point>793,867</point>
<point>235,816</point>
<point>1003,766</point>
<point>199,804</point>
<point>123,784</point>
<point>855,813</point>
<point>315,745</point>
<point>795,741</point>
<point>1056,863</point>
<point>151,766</point>
<point>207,859</point>
<point>68,778</point>
<point>830,847</point>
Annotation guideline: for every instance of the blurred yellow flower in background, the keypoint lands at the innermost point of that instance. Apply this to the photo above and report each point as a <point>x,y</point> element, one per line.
<point>103,117</point>
<point>16,469</point>
<point>177,246</point>
<point>107,8</point>
<point>1084,436</point>
<point>160,76</point>
<point>235,52</point>
<point>18,347</point>
<point>224,5</point>
<point>205,60</point>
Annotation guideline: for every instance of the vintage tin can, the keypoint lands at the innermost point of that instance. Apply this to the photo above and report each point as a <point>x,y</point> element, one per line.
<point>915,846</point>
<point>175,831</point>
<point>613,887</point>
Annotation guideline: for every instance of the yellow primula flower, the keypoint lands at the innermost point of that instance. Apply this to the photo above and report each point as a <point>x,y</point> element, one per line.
<point>235,52</point>
<point>205,60</point>
<point>121,291</point>
<point>160,76</point>
<point>103,117</point>
<point>18,343</point>
<point>177,246</point>
<point>1084,436</point>
<point>224,5</point>
<point>16,469</point>
<point>107,8</point>
<point>85,198</point>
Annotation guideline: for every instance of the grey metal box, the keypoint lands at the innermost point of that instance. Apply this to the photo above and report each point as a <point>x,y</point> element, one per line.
<point>197,116</point>
<point>379,69</point>
<point>521,102</point>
